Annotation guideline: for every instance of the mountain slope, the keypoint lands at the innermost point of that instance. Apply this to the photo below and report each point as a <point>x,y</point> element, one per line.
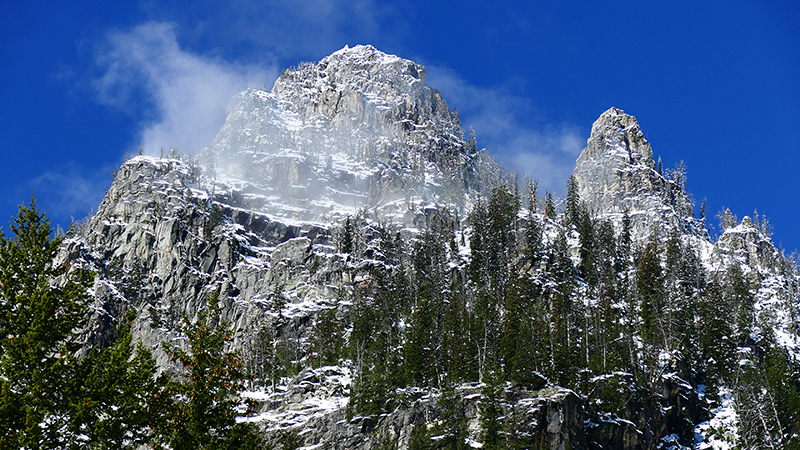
<point>385,286</point>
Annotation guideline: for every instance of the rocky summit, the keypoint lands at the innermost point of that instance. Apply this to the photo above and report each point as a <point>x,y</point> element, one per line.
<point>359,129</point>
<point>616,173</point>
<point>388,286</point>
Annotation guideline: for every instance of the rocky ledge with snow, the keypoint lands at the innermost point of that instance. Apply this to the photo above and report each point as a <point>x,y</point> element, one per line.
<point>260,218</point>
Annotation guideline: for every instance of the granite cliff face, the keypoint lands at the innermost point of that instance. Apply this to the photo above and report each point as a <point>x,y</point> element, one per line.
<point>616,173</point>
<point>259,218</point>
<point>359,129</point>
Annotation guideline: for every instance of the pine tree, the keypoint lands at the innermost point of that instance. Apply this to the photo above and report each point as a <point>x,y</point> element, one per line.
<point>119,398</point>
<point>452,426</point>
<point>206,390</point>
<point>740,299</point>
<point>716,335</point>
<point>328,338</point>
<point>549,205</point>
<point>39,315</point>
<point>559,286</point>
<point>347,236</point>
<point>573,211</point>
<point>491,411</point>
<point>472,142</point>
<point>650,290</point>
<point>703,211</point>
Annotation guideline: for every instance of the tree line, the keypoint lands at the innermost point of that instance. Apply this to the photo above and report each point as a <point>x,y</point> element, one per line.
<point>527,296</point>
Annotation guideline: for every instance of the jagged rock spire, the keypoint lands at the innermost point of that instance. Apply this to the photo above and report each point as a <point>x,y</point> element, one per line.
<point>359,129</point>
<point>616,172</point>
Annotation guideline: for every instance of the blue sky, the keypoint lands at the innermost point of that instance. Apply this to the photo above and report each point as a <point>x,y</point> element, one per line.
<point>715,84</point>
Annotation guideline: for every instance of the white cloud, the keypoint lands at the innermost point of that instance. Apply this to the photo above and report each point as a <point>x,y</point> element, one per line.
<point>503,124</point>
<point>188,93</point>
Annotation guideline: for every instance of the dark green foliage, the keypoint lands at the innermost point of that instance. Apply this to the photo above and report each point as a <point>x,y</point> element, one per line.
<point>587,267</point>
<point>205,392</point>
<point>563,318</point>
<point>491,412</point>
<point>716,334</point>
<point>119,399</point>
<point>650,291</point>
<point>375,342</point>
<point>215,218</point>
<point>572,214</point>
<point>328,338</point>
<point>38,319</point>
<point>782,376</point>
<point>452,425</point>
<point>740,299</point>
<point>263,361</point>
<point>420,438</point>
<point>347,237</point>
<point>549,206</point>
<point>289,440</point>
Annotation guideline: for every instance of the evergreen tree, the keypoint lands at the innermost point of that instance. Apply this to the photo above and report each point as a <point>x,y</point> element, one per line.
<point>119,399</point>
<point>740,299</point>
<point>491,412</point>
<point>41,307</point>
<point>472,142</point>
<point>703,211</point>
<point>573,207</point>
<point>782,376</point>
<point>549,206</point>
<point>588,263</point>
<point>501,217</point>
<point>420,438</point>
<point>347,236</point>
<point>716,335</point>
<point>559,285</point>
<point>650,291</point>
<point>452,426</point>
<point>328,338</point>
<point>205,391</point>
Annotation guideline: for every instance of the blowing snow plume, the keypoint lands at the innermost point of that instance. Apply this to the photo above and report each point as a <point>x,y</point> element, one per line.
<point>185,94</point>
<point>546,152</point>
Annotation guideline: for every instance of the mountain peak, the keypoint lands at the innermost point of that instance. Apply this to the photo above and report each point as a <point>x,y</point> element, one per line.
<point>618,135</point>
<point>358,129</point>
<point>616,173</point>
<point>362,56</point>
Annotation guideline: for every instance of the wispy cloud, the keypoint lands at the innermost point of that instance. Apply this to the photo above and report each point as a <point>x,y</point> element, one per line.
<point>186,94</point>
<point>512,129</point>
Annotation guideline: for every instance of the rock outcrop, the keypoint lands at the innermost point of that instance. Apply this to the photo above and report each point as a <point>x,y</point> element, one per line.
<point>156,245</point>
<point>616,173</point>
<point>313,404</point>
<point>749,244</point>
<point>359,129</point>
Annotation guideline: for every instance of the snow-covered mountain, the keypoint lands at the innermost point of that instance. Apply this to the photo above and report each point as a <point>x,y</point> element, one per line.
<point>359,129</point>
<point>616,173</point>
<point>305,193</point>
